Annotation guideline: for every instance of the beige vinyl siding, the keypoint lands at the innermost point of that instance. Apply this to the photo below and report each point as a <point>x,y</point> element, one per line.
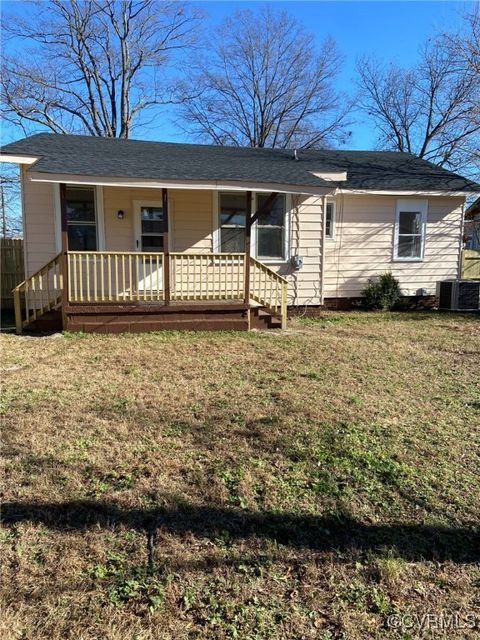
<point>363,246</point>
<point>190,217</point>
<point>38,223</point>
<point>191,220</point>
<point>305,240</point>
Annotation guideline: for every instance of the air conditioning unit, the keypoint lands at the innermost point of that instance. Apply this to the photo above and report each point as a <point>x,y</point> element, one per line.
<point>459,295</point>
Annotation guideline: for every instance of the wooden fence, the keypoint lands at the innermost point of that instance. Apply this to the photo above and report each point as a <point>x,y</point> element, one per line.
<point>471,264</point>
<point>11,269</point>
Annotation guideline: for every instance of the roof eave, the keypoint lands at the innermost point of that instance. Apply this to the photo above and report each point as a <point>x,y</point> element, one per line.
<point>405,192</point>
<point>227,185</point>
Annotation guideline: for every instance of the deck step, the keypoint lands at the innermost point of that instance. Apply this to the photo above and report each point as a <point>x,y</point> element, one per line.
<point>261,318</point>
<point>48,322</point>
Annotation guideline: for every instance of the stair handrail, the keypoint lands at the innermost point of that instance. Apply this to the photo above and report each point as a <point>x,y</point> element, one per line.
<point>34,285</point>
<point>274,288</point>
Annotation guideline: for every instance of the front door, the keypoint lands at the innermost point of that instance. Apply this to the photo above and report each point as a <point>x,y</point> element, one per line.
<point>149,239</point>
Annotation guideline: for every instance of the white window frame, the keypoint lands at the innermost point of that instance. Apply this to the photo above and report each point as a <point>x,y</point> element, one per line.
<point>412,206</point>
<point>286,244</point>
<point>216,236</point>
<point>333,224</point>
<point>137,226</point>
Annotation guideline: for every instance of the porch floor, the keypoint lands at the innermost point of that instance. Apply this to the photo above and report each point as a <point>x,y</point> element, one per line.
<point>217,315</point>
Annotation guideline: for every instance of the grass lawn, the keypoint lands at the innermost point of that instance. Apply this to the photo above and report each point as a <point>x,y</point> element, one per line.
<point>308,484</point>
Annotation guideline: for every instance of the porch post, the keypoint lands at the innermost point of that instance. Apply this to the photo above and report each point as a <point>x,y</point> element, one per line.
<point>248,241</point>
<point>64,260</point>
<point>166,248</point>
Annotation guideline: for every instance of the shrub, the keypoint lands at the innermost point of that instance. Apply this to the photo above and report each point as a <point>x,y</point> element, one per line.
<point>382,294</point>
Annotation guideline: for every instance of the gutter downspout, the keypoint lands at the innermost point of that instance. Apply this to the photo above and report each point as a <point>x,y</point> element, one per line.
<point>322,252</point>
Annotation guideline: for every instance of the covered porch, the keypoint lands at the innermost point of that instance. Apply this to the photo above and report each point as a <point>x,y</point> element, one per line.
<point>89,288</point>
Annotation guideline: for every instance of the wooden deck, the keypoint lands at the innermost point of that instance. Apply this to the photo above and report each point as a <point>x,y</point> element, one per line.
<point>114,292</point>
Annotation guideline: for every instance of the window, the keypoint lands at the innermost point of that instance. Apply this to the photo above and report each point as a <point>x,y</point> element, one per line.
<point>410,229</point>
<point>81,219</point>
<point>151,236</point>
<point>271,229</point>
<point>330,220</point>
<point>232,222</point>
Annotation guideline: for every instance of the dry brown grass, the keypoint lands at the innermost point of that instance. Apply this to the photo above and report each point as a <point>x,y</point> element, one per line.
<point>298,485</point>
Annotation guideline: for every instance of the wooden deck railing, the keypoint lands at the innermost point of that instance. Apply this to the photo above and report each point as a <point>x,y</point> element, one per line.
<point>123,277</point>
<point>115,276</point>
<point>207,276</point>
<point>269,289</point>
<point>38,293</point>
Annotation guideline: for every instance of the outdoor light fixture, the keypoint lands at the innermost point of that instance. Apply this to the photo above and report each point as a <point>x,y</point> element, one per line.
<point>120,214</point>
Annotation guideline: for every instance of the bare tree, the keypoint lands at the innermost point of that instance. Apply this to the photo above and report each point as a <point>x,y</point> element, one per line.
<point>464,46</point>
<point>263,83</point>
<point>93,67</point>
<point>430,110</point>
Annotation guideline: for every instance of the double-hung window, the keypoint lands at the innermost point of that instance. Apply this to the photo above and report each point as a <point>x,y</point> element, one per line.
<point>268,233</point>
<point>330,220</point>
<point>410,229</point>
<point>271,229</point>
<point>81,219</point>
<point>232,222</point>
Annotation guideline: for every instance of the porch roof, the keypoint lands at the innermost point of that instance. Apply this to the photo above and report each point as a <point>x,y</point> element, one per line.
<point>164,162</point>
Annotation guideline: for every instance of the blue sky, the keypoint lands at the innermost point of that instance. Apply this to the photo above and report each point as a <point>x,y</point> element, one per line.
<point>392,30</point>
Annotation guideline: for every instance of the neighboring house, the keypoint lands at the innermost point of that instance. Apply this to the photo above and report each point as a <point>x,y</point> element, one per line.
<point>151,235</point>
<point>471,233</point>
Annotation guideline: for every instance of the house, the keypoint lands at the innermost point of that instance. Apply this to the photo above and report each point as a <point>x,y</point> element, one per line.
<point>472,226</point>
<point>132,235</point>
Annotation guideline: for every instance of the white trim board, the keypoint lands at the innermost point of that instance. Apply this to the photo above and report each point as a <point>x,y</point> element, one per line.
<point>414,206</point>
<point>396,192</point>
<point>226,185</point>
<point>17,159</point>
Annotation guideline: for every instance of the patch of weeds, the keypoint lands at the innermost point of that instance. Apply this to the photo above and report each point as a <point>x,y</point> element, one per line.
<point>132,370</point>
<point>179,428</point>
<point>229,615</point>
<point>120,404</point>
<point>111,481</point>
<point>354,593</point>
<point>135,586</point>
<point>336,460</point>
<point>254,565</point>
<point>380,602</point>
<point>269,420</point>
<point>139,588</point>
<point>388,568</point>
<point>232,478</point>
<point>312,375</point>
<point>80,449</point>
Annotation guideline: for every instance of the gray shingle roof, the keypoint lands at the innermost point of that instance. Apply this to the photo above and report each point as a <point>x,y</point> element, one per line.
<point>372,170</point>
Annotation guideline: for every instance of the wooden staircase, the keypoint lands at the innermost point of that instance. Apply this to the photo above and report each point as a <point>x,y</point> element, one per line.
<point>38,299</point>
<point>261,318</point>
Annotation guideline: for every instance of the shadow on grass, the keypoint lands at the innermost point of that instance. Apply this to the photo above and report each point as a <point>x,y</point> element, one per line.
<point>342,533</point>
